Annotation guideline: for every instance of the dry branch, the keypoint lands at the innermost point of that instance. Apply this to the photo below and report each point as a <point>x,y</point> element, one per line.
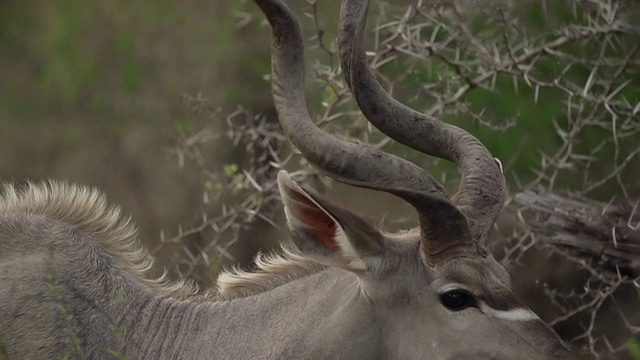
<point>607,236</point>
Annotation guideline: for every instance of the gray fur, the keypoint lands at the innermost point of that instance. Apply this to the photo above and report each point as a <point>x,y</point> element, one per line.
<point>73,283</point>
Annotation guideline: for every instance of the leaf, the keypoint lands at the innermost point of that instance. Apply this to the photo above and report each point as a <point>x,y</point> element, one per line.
<point>230,170</point>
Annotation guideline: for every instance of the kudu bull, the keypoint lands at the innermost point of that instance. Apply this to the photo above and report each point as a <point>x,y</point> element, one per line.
<point>72,274</point>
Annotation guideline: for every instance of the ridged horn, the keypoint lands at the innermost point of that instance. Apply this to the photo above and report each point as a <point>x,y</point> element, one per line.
<point>482,184</point>
<point>353,163</point>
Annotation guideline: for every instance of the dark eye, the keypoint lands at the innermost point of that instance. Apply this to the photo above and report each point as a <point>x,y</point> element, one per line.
<point>457,299</point>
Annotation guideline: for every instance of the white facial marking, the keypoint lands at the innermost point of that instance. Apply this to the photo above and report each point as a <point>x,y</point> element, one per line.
<point>517,314</point>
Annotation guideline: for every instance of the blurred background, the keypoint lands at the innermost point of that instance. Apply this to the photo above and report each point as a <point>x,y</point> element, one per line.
<point>165,106</point>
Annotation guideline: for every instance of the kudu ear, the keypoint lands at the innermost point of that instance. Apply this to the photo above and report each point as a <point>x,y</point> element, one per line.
<point>327,233</point>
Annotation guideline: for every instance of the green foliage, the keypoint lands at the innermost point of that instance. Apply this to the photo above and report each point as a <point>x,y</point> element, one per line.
<point>634,349</point>
<point>186,124</point>
<point>236,179</point>
<point>69,68</point>
<point>133,71</point>
<point>230,170</point>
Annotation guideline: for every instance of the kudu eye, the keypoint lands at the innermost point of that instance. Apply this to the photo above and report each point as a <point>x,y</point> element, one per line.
<point>457,299</point>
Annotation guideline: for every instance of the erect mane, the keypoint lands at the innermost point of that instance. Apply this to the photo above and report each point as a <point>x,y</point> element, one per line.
<point>86,209</point>
<point>273,270</point>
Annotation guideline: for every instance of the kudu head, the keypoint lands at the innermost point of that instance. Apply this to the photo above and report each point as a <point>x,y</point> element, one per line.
<point>437,291</point>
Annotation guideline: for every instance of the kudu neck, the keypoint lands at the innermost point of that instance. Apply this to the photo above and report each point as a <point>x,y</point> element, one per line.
<point>156,326</point>
<point>303,319</point>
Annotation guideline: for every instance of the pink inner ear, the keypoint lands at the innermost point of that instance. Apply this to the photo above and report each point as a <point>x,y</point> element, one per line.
<point>313,219</point>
